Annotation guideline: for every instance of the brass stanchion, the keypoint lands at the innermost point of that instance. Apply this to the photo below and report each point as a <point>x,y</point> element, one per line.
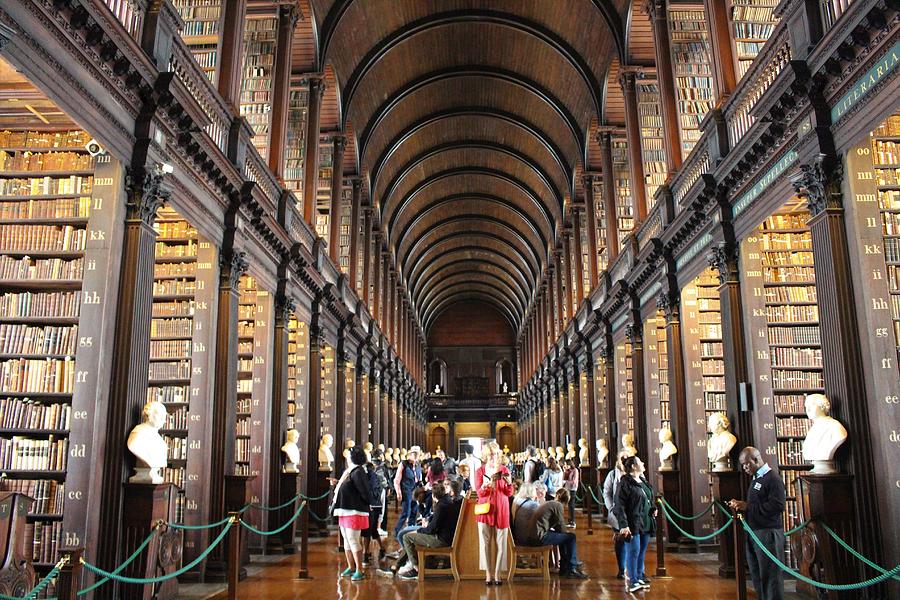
<point>234,555</point>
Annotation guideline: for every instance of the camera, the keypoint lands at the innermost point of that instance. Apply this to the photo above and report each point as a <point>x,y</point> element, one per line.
<point>94,148</point>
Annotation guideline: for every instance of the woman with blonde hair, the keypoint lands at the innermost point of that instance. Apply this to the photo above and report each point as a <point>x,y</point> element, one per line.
<point>494,486</point>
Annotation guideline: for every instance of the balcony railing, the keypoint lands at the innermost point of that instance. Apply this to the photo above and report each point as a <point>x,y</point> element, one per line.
<point>494,401</point>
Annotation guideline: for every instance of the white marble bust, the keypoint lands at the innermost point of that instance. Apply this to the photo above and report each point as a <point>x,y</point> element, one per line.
<point>389,456</point>
<point>560,454</point>
<point>667,450</point>
<point>602,453</point>
<point>545,454</point>
<point>367,448</point>
<point>291,452</point>
<point>583,459</point>
<point>505,450</point>
<point>551,452</point>
<point>718,448</point>
<point>570,451</point>
<point>824,437</point>
<point>326,457</point>
<point>628,444</point>
<point>346,452</point>
<point>148,447</point>
<point>505,388</point>
<point>437,389</point>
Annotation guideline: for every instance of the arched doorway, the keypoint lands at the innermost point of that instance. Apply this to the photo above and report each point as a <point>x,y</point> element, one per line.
<point>507,437</point>
<point>437,438</point>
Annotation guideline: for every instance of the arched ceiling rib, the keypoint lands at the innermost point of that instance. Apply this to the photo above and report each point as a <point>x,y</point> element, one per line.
<point>473,121</point>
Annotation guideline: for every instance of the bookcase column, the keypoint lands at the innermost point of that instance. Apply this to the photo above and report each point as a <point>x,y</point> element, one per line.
<point>608,358</point>
<point>374,409</point>
<point>284,308</point>
<point>385,294</point>
<point>565,408</point>
<point>131,353</point>
<point>723,62</point>
<point>376,273</point>
<point>820,183</point>
<point>589,399</point>
<point>561,271</point>
<point>566,275</point>
<point>340,400</point>
<point>311,162</point>
<point>590,222</point>
<point>365,293</point>
<point>577,401</point>
<point>634,334</point>
<point>337,188</point>
<point>628,81</point>
<point>577,260</point>
<point>232,52</point>
<point>355,207</point>
<point>281,84</point>
<point>665,74</point>
<point>604,138</point>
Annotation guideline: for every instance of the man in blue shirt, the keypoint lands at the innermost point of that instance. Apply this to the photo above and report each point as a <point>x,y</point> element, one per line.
<point>764,512</point>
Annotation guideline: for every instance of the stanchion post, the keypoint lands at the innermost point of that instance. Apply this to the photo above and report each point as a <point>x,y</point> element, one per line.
<point>69,579</point>
<point>234,555</point>
<point>662,538</point>
<point>740,574</point>
<point>304,545</point>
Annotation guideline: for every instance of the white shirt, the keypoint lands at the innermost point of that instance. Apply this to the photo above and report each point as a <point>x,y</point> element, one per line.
<point>474,465</point>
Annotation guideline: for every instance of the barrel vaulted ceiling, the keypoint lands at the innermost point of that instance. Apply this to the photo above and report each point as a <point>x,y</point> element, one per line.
<point>471,122</point>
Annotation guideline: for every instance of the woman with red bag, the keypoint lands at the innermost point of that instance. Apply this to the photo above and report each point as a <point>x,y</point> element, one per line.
<point>494,486</point>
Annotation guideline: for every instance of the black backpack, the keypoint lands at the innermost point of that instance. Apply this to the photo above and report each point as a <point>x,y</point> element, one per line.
<point>537,471</point>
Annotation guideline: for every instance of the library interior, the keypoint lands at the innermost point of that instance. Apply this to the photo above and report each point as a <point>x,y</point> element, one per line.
<point>272,267</point>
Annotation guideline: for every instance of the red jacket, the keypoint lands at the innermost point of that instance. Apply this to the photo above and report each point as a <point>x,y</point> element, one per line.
<point>498,496</point>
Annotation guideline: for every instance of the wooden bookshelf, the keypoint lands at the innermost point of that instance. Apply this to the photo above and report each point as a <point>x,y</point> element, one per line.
<point>625,390</point>
<point>752,23</point>
<point>301,383</point>
<point>656,382</point>
<point>689,40</point>
<point>329,390</point>
<point>653,148</point>
<point>600,219</point>
<point>201,31</point>
<point>295,141</point>
<point>323,188</point>
<point>346,226</point>
<point>624,200</point>
<point>260,36</point>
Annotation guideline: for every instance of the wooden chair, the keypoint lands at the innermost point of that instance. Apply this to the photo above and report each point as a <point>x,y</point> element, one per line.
<point>541,553</point>
<point>448,551</point>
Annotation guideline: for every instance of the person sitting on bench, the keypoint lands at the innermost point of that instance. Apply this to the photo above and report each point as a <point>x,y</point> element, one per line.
<point>439,531</point>
<point>545,525</point>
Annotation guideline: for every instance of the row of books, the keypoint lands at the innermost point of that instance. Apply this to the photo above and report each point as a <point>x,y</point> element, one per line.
<point>27,268</point>
<point>792,427</point>
<point>177,447</point>
<point>179,327</point>
<point>26,160</point>
<point>46,541</point>
<point>174,287</point>
<point>711,349</point>
<point>40,304</point>
<point>168,394</point>
<point>890,223</point>
<point>242,450</point>
<point>177,419</point>
<point>242,426</point>
<point>25,454</point>
<point>885,153</point>
<point>788,257</point>
<point>797,380</point>
<point>19,338</point>
<point>796,357</point>
<point>713,384</point>
<point>888,176</point>
<point>786,241</point>
<point>196,28</point>
<point>889,127</point>
<point>174,475</point>
<point>81,185</point>
<point>790,453</point>
<point>175,269</point>
<point>786,313</point>
<point>798,293</point>
<point>173,308</point>
<point>42,238</point>
<point>23,375</point>
<point>207,58</point>
<point>889,199</point>
<point>170,370</point>
<point>164,250</point>
<point>43,139</point>
<point>48,495</point>
<point>788,274</point>
<point>60,208</point>
<point>170,348</point>
<point>177,230</point>
<point>23,413</point>
<point>790,404</point>
<point>799,335</point>
<point>786,221</point>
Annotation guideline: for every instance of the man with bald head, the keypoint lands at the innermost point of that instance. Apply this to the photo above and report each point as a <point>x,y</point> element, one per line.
<point>764,512</point>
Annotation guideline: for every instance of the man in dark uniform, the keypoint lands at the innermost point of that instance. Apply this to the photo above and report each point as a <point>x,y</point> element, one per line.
<point>764,512</point>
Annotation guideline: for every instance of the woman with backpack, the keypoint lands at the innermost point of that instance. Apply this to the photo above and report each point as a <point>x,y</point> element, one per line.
<point>636,514</point>
<point>610,489</point>
<point>378,485</point>
<point>351,507</point>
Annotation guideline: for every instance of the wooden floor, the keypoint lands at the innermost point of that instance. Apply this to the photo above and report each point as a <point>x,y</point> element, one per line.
<point>691,577</point>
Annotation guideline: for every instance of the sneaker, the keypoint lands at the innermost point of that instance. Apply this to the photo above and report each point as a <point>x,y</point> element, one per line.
<point>635,587</point>
<point>574,575</point>
<point>358,576</point>
<point>645,583</point>
<point>382,532</point>
<point>384,573</point>
<point>570,525</point>
<point>620,575</point>
<point>409,575</point>
<point>347,572</point>
<point>407,568</point>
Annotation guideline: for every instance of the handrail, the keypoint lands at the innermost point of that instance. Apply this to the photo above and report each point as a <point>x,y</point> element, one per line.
<point>189,73</point>
<point>697,163</point>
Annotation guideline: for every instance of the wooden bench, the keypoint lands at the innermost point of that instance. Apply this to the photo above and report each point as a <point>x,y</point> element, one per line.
<point>449,551</point>
<point>541,553</point>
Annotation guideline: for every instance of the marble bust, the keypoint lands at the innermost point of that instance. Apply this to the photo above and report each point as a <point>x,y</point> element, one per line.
<point>583,459</point>
<point>437,389</point>
<point>602,454</point>
<point>346,451</point>
<point>148,447</point>
<point>825,435</point>
<point>326,457</point>
<point>505,388</point>
<point>545,454</point>
<point>718,448</point>
<point>367,448</point>
<point>389,456</point>
<point>570,451</point>
<point>628,444</point>
<point>560,454</point>
<point>291,452</point>
<point>667,450</point>
<point>505,450</point>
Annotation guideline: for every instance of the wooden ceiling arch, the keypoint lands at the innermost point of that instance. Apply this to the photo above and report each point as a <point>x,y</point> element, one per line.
<point>475,242</point>
<point>458,290</point>
<point>474,295</point>
<point>465,259</point>
<point>473,277</point>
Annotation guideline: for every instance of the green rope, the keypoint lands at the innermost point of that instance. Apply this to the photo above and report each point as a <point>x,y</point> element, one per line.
<point>273,508</point>
<point>827,586</point>
<point>322,497</point>
<point>683,517</point>
<point>592,494</point>
<point>696,538</point>
<point>791,532</point>
<point>317,517</point>
<point>274,531</point>
<point>195,527</point>
<point>40,585</point>
<point>849,549</point>
<point>121,567</point>
<point>140,580</point>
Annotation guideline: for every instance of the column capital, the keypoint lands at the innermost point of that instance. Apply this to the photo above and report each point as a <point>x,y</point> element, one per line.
<point>819,182</point>
<point>340,141</point>
<point>145,193</point>
<point>316,85</point>
<point>723,257</point>
<point>289,12</point>
<point>232,267</point>
<point>668,303</point>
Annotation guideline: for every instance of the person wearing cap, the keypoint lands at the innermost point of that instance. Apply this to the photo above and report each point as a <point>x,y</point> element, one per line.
<point>409,475</point>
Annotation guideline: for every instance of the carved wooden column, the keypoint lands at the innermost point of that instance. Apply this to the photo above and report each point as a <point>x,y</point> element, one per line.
<point>284,308</point>
<point>724,63</point>
<point>354,234</point>
<point>376,274</point>
<point>577,259</point>
<point>565,407</point>
<point>281,84</point>
<point>340,394</point>
<point>337,189</point>
<point>665,74</point>
<point>609,195</point>
<point>608,358</point>
<point>561,271</point>
<point>820,183</point>
<point>131,353</point>
<point>577,401</point>
<point>590,222</point>
<point>366,293</point>
<point>311,161</point>
<point>232,52</point>
<point>628,81</point>
<point>590,399</point>
<point>634,334</point>
<point>385,293</point>
<point>566,276</point>
<point>312,485</point>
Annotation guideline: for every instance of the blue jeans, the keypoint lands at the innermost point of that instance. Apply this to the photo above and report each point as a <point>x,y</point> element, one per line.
<point>635,549</point>
<point>408,511</point>
<point>568,560</point>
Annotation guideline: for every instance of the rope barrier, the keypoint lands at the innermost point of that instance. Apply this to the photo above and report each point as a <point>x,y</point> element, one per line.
<point>592,494</point>
<point>322,497</point>
<point>140,580</point>
<point>683,517</point>
<point>850,549</point>
<point>696,538</point>
<point>273,508</point>
<point>274,531</point>
<point>317,517</point>
<point>127,562</point>
<point>800,576</point>
<point>196,527</point>
<point>791,532</point>
<point>42,583</point>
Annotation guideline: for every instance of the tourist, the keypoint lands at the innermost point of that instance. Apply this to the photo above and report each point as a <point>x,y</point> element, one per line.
<point>462,470</point>
<point>571,478</point>
<point>610,489</point>
<point>439,531</point>
<point>378,485</point>
<point>494,487</point>
<point>448,461</point>
<point>530,464</point>
<point>408,477</point>
<point>764,513</point>
<point>351,507</point>
<point>382,466</point>
<point>553,478</point>
<point>635,513</point>
<point>472,464</point>
<point>434,475</point>
<point>540,492</point>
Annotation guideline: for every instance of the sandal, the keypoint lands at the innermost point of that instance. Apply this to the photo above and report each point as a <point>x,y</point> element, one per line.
<point>347,572</point>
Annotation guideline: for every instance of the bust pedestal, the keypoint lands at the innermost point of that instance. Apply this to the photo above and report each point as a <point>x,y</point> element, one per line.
<point>668,486</point>
<point>16,573</point>
<point>725,486</point>
<point>318,528</point>
<point>826,499</point>
<point>283,543</point>
<point>146,504</point>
